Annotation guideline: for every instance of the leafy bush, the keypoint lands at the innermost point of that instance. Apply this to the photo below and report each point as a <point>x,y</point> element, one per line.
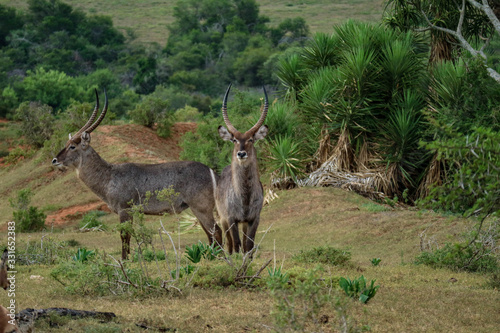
<point>375,261</point>
<point>205,145</point>
<point>27,218</point>
<point>323,254</point>
<point>306,304</point>
<point>37,122</point>
<point>471,257</point>
<point>357,288</point>
<point>149,111</point>
<point>188,114</point>
<point>50,87</point>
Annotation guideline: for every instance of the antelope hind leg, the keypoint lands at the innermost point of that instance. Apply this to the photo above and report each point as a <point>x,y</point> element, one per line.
<point>211,228</point>
<point>125,236</point>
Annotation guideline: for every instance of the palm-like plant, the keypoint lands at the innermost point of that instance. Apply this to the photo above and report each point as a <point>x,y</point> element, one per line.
<point>286,161</point>
<point>402,133</point>
<point>373,85</point>
<point>291,73</point>
<point>322,51</point>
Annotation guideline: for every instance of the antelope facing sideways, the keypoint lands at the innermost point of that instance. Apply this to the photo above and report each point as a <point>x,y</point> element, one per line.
<point>5,319</point>
<point>239,195</point>
<point>119,184</point>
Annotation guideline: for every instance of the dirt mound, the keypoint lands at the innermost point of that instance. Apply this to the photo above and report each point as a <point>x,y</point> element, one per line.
<point>142,142</point>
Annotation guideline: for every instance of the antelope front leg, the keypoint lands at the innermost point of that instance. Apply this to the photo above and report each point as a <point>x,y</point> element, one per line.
<point>125,235</point>
<point>233,230</point>
<point>249,235</point>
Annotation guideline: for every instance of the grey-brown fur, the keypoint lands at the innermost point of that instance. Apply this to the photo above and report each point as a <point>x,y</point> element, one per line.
<point>239,195</point>
<point>119,184</point>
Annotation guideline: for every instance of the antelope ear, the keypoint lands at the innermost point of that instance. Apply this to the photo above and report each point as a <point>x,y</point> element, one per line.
<point>225,134</point>
<point>85,140</point>
<point>261,133</point>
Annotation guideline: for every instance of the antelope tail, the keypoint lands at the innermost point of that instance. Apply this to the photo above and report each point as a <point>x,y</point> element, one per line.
<point>214,182</point>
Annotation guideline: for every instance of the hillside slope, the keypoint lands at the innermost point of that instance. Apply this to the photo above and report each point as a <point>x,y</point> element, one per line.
<point>148,20</point>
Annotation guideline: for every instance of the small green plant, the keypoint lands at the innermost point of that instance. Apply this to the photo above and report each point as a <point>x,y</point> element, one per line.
<point>374,207</point>
<point>91,220</point>
<point>73,243</point>
<point>324,255</point>
<point>82,255</point>
<point>375,261</point>
<point>27,218</point>
<point>183,271</point>
<point>201,250</point>
<point>277,278</point>
<point>194,253</point>
<point>357,288</point>
<point>149,255</point>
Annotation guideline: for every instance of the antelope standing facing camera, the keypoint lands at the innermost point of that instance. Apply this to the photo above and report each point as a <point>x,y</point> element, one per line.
<point>119,184</point>
<point>239,195</point>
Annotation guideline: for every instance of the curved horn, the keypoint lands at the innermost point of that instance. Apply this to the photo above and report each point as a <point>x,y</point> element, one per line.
<point>263,114</point>
<point>101,116</point>
<point>92,117</point>
<point>230,126</point>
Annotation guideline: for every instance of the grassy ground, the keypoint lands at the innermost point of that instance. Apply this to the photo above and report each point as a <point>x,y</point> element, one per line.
<point>148,20</point>
<point>411,298</point>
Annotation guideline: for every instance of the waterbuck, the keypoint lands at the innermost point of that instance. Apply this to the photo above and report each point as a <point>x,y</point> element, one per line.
<point>120,184</point>
<point>239,195</point>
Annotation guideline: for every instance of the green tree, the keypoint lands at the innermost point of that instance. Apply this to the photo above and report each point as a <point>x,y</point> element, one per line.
<point>10,21</point>
<point>37,122</point>
<point>50,87</point>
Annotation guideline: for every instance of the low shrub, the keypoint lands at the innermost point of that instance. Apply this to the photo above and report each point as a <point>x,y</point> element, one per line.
<point>28,218</point>
<point>460,257</point>
<point>306,304</point>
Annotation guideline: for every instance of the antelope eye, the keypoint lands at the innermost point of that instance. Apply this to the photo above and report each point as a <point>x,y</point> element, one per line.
<point>72,147</point>
<point>235,141</point>
<point>250,140</point>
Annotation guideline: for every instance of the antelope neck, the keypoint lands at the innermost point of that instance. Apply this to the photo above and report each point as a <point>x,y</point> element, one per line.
<point>244,176</point>
<point>94,171</point>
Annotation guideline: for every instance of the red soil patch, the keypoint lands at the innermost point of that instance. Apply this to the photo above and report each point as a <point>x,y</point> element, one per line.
<point>143,143</point>
<point>65,215</point>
